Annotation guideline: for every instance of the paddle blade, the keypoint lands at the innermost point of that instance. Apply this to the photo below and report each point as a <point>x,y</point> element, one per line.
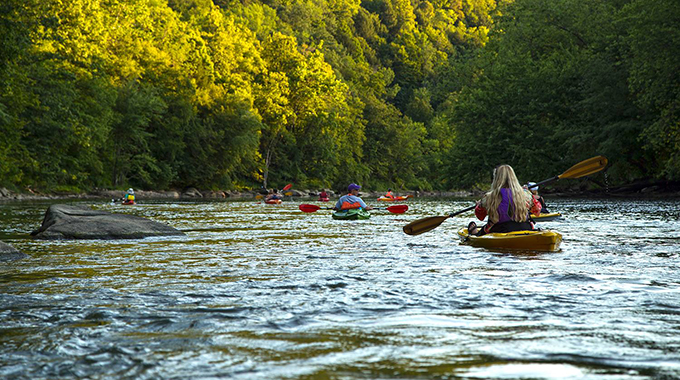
<point>259,196</point>
<point>398,209</point>
<point>288,193</point>
<point>420,226</point>
<point>287,187</point>
<point>586,167</point>
<point>309,208</point>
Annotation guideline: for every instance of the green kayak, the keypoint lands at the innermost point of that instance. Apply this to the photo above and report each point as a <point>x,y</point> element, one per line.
<point>352,214</point>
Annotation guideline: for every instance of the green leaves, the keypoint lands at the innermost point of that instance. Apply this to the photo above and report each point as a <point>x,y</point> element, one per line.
<point>223,94</point>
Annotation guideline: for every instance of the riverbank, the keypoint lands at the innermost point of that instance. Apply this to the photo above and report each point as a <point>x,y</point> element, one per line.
<point>641,189</point>
<point>193,193</point>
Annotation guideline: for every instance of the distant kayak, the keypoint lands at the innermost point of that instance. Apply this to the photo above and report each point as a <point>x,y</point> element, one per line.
<point>352,214</point>
<point>273,201</point>
<point>525,240</point>
<point>324,199</point>
<point>129,203</point>
<point>399,198</point>
<point>546,217</point>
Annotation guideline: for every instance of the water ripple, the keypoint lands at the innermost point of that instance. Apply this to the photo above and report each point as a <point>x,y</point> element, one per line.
<point>256,291</point>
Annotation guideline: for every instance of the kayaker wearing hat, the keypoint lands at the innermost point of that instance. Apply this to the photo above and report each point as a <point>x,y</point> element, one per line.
<point>351,200</point>
<point>534,192</point>
<point>129,197</point>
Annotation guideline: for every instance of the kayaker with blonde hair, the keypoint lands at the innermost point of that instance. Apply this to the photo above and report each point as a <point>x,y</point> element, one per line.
<point>507,205</point>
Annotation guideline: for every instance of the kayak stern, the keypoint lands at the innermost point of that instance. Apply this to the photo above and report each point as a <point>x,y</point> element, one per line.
<point>542,240</point>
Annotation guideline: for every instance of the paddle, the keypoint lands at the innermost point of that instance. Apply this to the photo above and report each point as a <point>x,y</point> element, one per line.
<point>582,169</point>
<point>396,209</point>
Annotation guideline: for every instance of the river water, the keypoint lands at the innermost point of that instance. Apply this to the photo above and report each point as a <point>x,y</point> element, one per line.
<point>257,291</point>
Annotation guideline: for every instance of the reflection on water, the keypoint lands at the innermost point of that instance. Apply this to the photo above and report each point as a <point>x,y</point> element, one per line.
<point>258,291</point>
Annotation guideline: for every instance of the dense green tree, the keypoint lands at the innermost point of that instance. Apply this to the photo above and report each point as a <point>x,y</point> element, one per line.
<point>654,40</point>
<point>550,88</point>
<point>413,94</point>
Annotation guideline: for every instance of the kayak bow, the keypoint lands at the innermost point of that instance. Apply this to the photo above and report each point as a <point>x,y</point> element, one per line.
<point>546,217</point>
<point>351,214</point>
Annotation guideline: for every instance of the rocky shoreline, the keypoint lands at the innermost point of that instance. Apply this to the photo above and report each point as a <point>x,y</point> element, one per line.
<point>642,189</point>
<point>192,193</point>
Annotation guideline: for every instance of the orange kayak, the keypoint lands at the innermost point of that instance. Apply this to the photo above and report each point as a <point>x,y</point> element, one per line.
<point>399,198</point>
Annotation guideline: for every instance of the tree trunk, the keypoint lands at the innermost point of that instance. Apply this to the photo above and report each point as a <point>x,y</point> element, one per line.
<point>267,161</point>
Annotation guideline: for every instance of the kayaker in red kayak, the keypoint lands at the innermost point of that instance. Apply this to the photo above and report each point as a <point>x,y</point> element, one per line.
<point>505,215</point>
<point>351,200</point>
<point>323,195</point>
<point>273,195</point>
<point>389,194</point>
<point>129,197</point>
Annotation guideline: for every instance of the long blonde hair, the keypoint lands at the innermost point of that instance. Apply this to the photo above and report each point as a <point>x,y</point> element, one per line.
<point>504,177</point>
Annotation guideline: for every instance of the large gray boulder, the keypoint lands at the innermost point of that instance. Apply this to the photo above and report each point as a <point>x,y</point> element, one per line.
<point>77,222</point>
<point>7,252</point>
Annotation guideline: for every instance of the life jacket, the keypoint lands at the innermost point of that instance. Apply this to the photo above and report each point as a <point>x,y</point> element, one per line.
<point>347,206</point>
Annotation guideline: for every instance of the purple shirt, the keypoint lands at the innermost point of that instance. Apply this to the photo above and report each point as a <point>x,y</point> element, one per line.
<point>504,210</point>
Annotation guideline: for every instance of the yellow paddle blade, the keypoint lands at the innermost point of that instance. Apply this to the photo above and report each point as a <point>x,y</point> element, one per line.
<point>259,196</point>
<point>420,226</point>
<point>289,193</point>
<point>586,167</point>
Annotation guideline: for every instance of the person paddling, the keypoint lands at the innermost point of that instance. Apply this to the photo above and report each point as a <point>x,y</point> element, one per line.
<point>507,204</point>
<point>389,194</point>
<point>273,195</point>
<point>534,191</point>
<point>323,195</point>
<point>129,196</point>
<point>351,200</point>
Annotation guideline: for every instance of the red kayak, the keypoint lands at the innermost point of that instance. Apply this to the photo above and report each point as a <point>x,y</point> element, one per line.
<point>273,202</point>
<point>324,199</point>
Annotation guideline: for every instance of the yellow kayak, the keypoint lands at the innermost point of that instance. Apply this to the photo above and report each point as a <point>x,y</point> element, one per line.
<point>526,240</point>
<point>546,217</point>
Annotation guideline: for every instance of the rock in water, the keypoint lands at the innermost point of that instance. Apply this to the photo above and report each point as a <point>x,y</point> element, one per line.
<point>77,222</point>
<point>7,252</point>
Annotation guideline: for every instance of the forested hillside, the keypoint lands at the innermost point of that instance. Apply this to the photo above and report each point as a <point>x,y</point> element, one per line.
<point>220,94</point>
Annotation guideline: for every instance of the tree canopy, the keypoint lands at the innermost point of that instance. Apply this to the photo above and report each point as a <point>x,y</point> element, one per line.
<point>418,94</point>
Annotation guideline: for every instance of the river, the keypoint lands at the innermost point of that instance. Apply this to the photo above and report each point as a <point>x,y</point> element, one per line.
<point>257,291</point>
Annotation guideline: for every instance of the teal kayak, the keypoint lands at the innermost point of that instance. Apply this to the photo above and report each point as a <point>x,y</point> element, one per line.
<point>352,214</point>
